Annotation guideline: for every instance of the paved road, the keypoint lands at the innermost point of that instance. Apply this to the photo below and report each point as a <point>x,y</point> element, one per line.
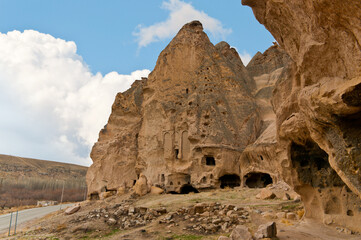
<point>27,215</point>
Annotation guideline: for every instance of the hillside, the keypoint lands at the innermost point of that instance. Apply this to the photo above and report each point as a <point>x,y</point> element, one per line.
<point>24,181</point>
<point>27,167</point>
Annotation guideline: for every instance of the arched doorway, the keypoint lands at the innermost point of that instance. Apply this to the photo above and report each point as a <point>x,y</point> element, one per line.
<point>188,188</point>
<point>230,180</point>
<point>258,180</point>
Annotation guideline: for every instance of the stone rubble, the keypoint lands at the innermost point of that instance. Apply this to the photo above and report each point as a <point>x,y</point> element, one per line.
<point>203,218</point>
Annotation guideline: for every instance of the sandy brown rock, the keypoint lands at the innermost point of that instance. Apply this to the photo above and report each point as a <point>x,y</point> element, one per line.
<point>241,232</point>
<point>265,63</point>
<point>260,157</point>
<point>71,210</point>
<point>114,155</point>
<point>185,126</point>
<point>156,190</point>
<point>105,195</point>
<point>267,230</point>
<point>317,104</point>
<point>141,187</point>
<point>266,194</point>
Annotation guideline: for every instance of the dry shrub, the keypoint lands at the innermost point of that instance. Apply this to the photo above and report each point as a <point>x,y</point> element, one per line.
<point>300,213</point>
<point>60,227</point>
<point>14,193</point>
<point>286,222</point>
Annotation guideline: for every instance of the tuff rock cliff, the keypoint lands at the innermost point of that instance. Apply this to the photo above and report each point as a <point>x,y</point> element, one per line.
<point>203,120</point>
<point>318,103</point>
<point>186,126</point>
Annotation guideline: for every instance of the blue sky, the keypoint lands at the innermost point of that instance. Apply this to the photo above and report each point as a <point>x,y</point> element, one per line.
<point>57,80</point>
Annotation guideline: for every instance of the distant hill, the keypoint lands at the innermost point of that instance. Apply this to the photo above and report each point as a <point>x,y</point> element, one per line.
<point>24,181</point>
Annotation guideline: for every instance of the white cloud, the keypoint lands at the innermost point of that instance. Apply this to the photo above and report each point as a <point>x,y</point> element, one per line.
<point>180,14</point>
<point>246,57</point>
<point>51,105</point>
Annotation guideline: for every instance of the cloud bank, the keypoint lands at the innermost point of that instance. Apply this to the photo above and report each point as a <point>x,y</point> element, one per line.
<point>246,57</point>
<point>51,105</point>
<point>179,13</point>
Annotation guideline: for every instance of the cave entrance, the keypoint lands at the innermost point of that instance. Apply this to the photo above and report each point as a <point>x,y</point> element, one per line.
<point>230,180</point>
<point>258,180</point>
<point>312,166</point>
<point>188,188</point>
<point>185,189</point>
<point>94,196</point>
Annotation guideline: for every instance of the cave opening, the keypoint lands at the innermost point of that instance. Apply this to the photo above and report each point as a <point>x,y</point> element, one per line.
<point>230,180</point>
<point>210,161</point>
<point>258,180</point>
<point>94,196</point>
<point>188,188</point>
<point>312,166</point>
<point>185,189</point>
<point>176,152</point>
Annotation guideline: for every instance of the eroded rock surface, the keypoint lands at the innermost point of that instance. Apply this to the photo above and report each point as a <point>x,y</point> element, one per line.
<point>317,104</point>
<point>259,163</point>
<point>185,126</point>
<point>202,120</point>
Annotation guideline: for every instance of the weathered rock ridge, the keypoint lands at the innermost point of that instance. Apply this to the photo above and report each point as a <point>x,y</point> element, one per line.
<point>318,103</point>
<point>186,126</point>
<point>199,121</point>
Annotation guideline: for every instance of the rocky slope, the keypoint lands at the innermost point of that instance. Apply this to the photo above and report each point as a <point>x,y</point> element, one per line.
<point>318,104</point>
<point>12,166</point>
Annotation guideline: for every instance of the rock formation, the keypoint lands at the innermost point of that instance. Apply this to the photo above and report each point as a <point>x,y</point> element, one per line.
<point>204,120</point>
<point>259,158</point>
<point>185,126</point>
<point>318,103</point>
<point>200,121</point>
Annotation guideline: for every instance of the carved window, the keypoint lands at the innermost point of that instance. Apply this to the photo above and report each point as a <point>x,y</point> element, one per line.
<point>176,152</point>
<point>210,161</point>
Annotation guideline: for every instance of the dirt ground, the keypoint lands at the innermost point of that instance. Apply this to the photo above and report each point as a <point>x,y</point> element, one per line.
<point>80,226</point>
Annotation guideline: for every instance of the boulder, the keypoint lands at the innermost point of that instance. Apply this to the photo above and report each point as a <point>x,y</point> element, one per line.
<point>286,197</point>
<point>266,194</point>
<point>141,186</point>
<point>105,195</point>
<point>268,215</point>
<point>268,230</point>
<point>241,232</point>
<point>281,215</point>
<point>199,208</point>
<point>71,210</point>
<point>111,221</point>
<point>156,190</point>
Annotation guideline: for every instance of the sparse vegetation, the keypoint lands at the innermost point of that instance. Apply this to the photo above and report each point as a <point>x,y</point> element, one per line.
<point>15,193</point>
<point>185,237</point>
<point>60,227</point>
<point>25,181</point>
<point>290,206</point>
